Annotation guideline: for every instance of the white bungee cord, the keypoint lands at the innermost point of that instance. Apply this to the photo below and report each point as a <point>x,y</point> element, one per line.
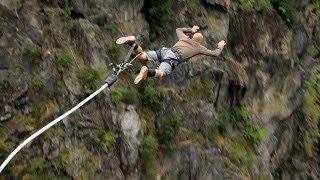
<point>122,67</point>
<point>4,164</point>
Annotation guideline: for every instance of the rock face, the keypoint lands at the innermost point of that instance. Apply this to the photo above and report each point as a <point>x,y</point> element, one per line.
<point>236,116</point>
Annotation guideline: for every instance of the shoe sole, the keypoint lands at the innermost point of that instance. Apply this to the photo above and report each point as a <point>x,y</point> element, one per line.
<point>123,40</point>
<point>140,76</point>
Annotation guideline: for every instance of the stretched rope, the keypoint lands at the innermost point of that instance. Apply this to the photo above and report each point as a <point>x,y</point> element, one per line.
<point>4,164</point>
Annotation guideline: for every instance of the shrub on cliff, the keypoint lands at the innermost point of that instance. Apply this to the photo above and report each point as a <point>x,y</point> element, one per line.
<point>88,78</point>
<point>63,61</point>
<point>37,82</point>
<point>128,95</point>
<point>114,51</point>
<point>159,14</point>
<point>169,129</point>
<point>252,5</point>
<point>152,94</point>
<point>311,111</point>
<point>6,87</point>
<point>148,151</point>
<point>33,54</point>
<point>254,134</point>
<point>288,12</point>
<point>106,141</point>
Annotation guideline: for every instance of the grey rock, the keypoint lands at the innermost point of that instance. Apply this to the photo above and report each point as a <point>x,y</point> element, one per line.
<point>6,117</point>
<point>268,52</point>
<point>300,166</point>
<point>130,127</point>
<point>130,124</point>
<point>45,147</point>
<point>224,3</point>
<point>5,61</point>
<point>300,41</point>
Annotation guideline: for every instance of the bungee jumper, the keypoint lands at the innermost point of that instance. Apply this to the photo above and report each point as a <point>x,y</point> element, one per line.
<point>170,58</point>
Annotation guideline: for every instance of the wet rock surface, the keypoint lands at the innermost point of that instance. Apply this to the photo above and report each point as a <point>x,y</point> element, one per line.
<point>53,54</point>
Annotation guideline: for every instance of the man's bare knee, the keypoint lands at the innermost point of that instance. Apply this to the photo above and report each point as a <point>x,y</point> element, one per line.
<point>159,74</point>
<point>143,56</point>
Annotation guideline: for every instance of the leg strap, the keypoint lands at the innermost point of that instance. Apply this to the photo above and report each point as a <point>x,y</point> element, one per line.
<point>151,72</point>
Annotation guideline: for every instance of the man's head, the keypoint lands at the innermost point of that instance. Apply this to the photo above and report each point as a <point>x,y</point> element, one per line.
<point>197,37</point>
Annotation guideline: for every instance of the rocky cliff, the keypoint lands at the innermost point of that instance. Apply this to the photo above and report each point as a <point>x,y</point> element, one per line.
<point>251,113</point>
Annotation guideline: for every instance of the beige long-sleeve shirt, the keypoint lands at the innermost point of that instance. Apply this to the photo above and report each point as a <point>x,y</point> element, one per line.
<point>187,48</point>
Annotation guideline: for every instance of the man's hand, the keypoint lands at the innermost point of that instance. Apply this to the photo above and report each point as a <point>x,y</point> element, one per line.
<point>221,44</point>
<point>194,29</point>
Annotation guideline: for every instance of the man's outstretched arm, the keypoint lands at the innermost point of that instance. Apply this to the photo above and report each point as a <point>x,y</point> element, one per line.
<point>215,52</point>
<point>180,31</point>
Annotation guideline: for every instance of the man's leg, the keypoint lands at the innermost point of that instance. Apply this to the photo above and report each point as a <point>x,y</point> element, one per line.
<point>130,40</point>
<point>145,73</point>
<point>164,69</point>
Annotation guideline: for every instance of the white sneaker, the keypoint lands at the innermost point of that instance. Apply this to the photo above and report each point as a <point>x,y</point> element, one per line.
<point>126,40</point>
<point>142,75</point>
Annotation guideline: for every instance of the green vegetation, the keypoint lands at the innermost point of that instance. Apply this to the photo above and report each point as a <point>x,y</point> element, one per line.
<point>315,7</point>
<point>59,164</point>
<point>5,147</point>
<point>67,8</point>
<point>106,141</point>
<point>311,111</point>
<point>239,152</point>
<point>314,50</point>
<point>148,147</point>
<point>308,142</point>
<point>253,5</point>
<point>88,78</point>
<point>311,107</point>
<point>43,175</point>
<point>40,113</point>
<point>288,12</point>
<point>148,151</point>
<point>152,94</point>
<point>159,14</point>
<point>37,82</point>
<point>89,168</point>
<point>33,54</point>
<point>237,116</point>
<point>221,123</point>
<point>114,51</point>
<point>52,89</point>
<point>149,116</point>
<point>15,3</point>
<point>109,28</point>
<point>240,144</point>
<point>6,87</point>
<point>240,114</point>
<point>147,94</point>
<point>193,8</point>
<point>169,129</point>
<point>316,35</point>
<point>254,134</point>
<point>63,61</point>
<point>128,95</point>
<point>246,5</point>
<point>264,6</point>
<point>314,46</point>
<point>38,164</point>
<point>201,90</point>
